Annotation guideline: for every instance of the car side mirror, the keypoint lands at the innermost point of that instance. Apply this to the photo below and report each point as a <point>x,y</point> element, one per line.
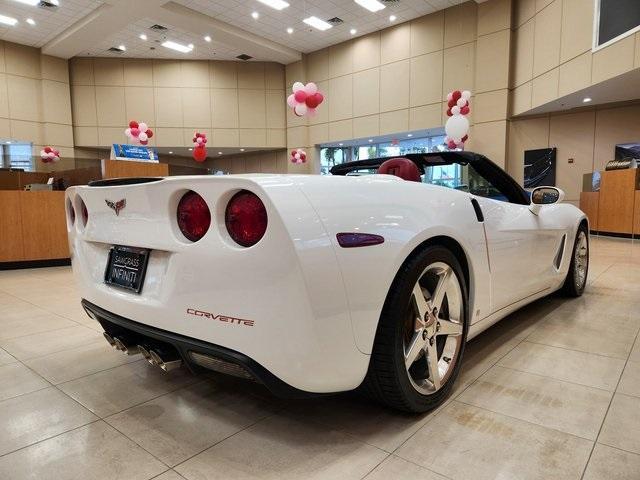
<point>544,196</point>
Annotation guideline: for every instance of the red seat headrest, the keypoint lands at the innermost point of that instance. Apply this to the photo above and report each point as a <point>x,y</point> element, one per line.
<point>401,167</point>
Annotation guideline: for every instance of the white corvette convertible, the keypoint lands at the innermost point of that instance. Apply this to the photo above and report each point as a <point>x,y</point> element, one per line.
<point>316,284</point>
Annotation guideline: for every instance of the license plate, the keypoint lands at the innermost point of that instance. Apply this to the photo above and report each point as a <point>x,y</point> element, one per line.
<point>126,267</point>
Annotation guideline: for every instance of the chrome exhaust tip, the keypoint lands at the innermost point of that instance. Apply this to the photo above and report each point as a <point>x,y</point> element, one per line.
<point>145,353</point>
<point>109,339</point>
<point>123,347</point>
<point>166,365</point>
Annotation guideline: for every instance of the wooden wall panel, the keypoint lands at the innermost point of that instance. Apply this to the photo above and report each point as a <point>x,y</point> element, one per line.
<point>589,205</point>
<point>44,228</point>
<point>11,248</point>
<point>617,198</point>
<point>124,168</point>
<point>636,215</point>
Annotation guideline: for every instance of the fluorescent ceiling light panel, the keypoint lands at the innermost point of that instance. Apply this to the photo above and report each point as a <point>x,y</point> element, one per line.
<point>371,5</point>
<point>8,20</point>
<point>178,47</point>
<point>33,3</point>
<point>277,4</point>
<point>315,22</point>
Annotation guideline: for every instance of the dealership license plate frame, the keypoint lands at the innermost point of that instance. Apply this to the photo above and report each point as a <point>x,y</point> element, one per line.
<point>141,253</point>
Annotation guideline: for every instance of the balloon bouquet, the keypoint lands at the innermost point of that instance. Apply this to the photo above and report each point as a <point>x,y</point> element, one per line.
<point>138,133</point>
<point>457,126</point>
<point>199,147</point>
<point>49,155</point>
<point>305,99</point>
<point>298,156</point>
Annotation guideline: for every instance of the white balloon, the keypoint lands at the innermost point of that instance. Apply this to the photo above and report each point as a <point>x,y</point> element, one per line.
<point>311,88</point>
<point>143,127</point>
<point>298,86</point>
<point>449,96</point>
<point>127,132</point>
<point>457,127</point>
<point>301,109</point>
<point>466,94</point>
<point>297,156</point>
<point>143,137</point>
<point>461,102</point>
<point>455,110</point>
<point>291,100</point>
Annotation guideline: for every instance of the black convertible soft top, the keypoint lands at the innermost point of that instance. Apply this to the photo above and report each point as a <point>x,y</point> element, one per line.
<point>481,164</point>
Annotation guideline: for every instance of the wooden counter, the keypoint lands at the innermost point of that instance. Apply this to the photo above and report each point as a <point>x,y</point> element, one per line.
<point>33,226</point>
<point>589,205</point>
<point>124,168</point>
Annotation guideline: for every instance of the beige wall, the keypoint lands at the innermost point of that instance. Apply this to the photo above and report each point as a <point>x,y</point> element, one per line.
<point>588,137</point>
<point>236,104</point>
<point>396,79</point>
<point>35,105</point>
<point>552,54</point>
<point>275,161</point>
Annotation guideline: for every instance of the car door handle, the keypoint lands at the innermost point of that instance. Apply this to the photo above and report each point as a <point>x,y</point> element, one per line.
<point>478,210</point>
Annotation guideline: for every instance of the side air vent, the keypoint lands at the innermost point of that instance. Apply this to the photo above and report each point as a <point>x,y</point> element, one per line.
<point>335,21</point>
<point>390,2</point>
<point>558,260</point>
<point>244,57</point>
<point>158,28</point>
<point>115,50</point>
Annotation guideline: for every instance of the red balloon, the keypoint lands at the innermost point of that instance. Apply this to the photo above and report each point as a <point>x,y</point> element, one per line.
<point>319,97</point>
<point>465,138</point>
<point>149,133</point>
<point>133,124</point>
<point>456,95</point>
<point>144,142</point>
<point>451,144</point>
<point>449,114</point>
<point>135,132</point>
<point>312,101</point>
<point>47,149</point>
<point>200,154</point>
<point>464,110</point>
<point>300,96</point>
<point>451,103</point>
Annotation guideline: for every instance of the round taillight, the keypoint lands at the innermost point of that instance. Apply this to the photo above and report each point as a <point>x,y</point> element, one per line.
<point>72,212</point>
<point>246,218</point>
<point>194,216</point>
<point>85,213</point>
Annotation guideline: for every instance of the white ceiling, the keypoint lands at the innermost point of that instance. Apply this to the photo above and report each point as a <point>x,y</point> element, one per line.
<point>90,27</point>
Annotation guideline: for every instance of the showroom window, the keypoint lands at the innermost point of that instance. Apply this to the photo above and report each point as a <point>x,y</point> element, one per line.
<point>330,156</point>
<point>17,155</point>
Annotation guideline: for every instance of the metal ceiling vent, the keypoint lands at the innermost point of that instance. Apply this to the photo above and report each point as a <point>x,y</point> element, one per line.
<point>115,50</point>
<point>244,57</point>
<point>158,28</point>
<point>49,4</point>
<point>335,21</point>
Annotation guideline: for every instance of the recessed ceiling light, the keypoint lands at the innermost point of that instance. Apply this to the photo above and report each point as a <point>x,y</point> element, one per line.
<point>170,153</point>
<point>586,99</point>
<point>177,46</point>
<point>242,149</point>
<point>190,149</point>
<point>340,144</point>
<point>207,38</point>
<point>409,134</point>
<point>219,153</point>
<point>190,46</point>
<point>371,5</point>
<point>370,140</point>
<point>33,3</point>
<point>255,15</point>
<point>8,20</point>
<point>122,48</point>
<point>277,4</point>
<point>392,18</point>
<point>8,142</point>
<point>315,22</point>
<point>142,36</point>
<point>289,30</point>
<point>31,21</point>
<point>353,31</point>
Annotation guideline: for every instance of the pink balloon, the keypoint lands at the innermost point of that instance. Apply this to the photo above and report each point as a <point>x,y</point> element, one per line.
<point>461,102</point>
<point>300,96</point>
<point>311,88</point>
<point>291,100</point>
<point>319,97</point>
<point>143,137</point>
<point>199,139</point>
<point>301,109</point>
<point>311,112</point>
<point>142,127</point>
<point>135,132</point>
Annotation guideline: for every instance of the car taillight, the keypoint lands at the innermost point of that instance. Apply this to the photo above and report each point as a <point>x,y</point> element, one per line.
<point>194,216</point>
<point>85,213</point>
<point>246,218</point>
<point>72,212</point>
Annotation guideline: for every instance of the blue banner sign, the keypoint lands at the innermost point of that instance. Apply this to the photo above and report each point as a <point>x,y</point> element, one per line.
<point>135,152</point>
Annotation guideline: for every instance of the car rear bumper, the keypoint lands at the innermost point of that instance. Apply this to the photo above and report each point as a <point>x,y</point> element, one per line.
<point>226,360</point>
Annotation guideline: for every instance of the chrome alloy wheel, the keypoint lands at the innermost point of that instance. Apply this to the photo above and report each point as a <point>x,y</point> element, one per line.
<point>433,330</point>
<point>581,259</point>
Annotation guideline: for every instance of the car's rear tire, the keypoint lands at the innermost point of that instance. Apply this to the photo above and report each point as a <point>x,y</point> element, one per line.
<point>576,279</point>
<point>410,333</point>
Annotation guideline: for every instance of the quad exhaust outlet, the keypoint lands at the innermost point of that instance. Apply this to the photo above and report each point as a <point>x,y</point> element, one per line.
<point>166,360</point>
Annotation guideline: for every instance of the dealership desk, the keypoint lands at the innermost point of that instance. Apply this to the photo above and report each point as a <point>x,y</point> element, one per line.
<point>33,226</point>
<point>615,209</point>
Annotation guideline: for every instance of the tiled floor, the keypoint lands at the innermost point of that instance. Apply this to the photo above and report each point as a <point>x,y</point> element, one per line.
<point>552,392</point>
